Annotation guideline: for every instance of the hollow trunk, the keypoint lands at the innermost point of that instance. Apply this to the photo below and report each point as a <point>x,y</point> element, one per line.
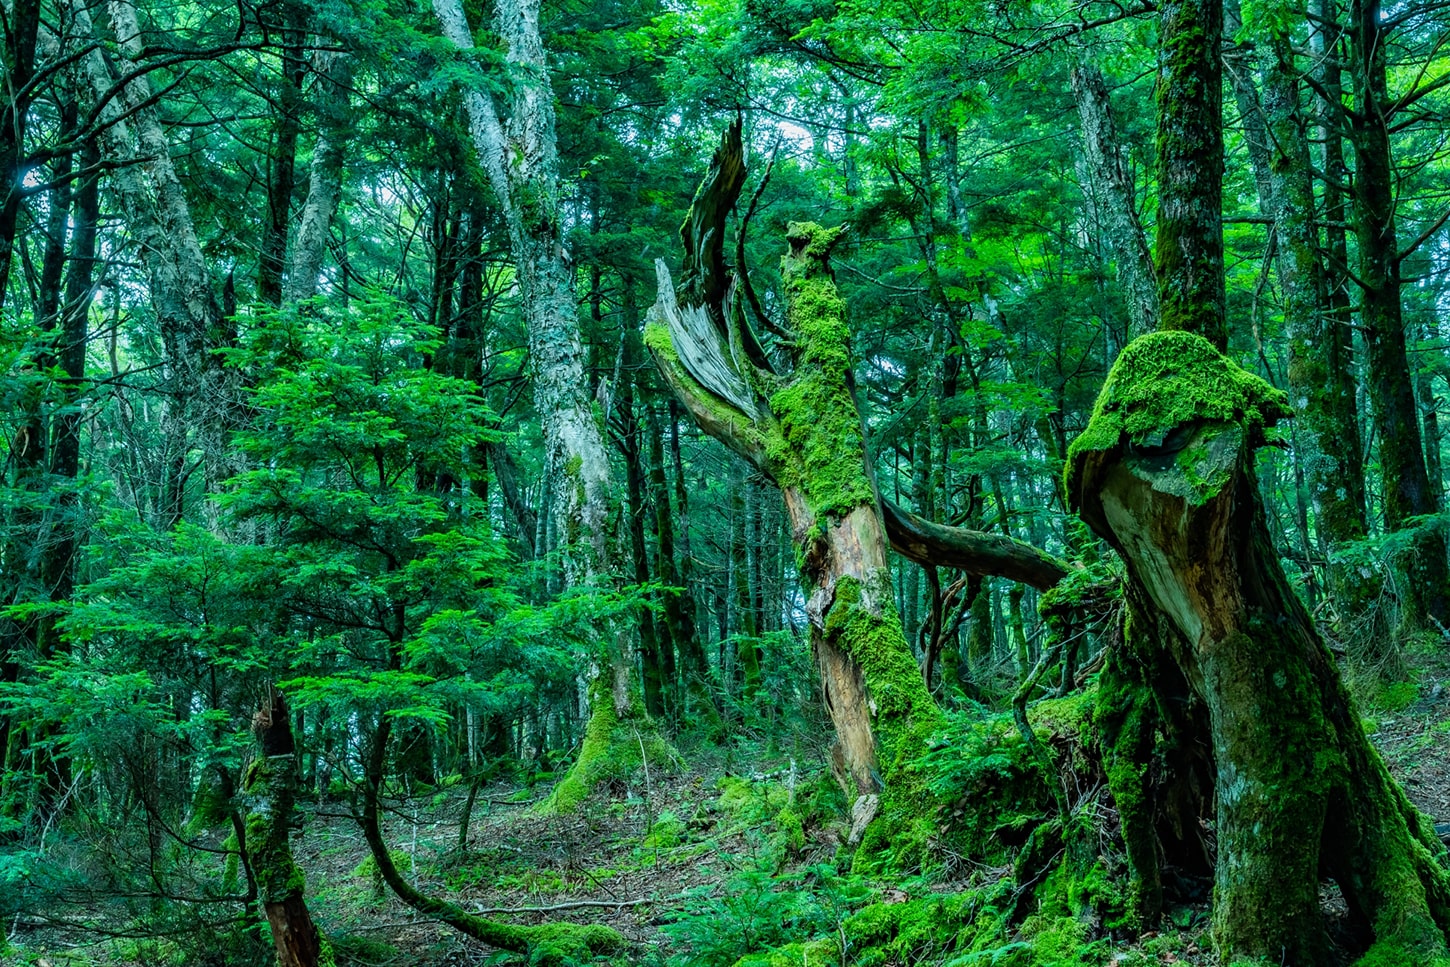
<point>1164,472</point>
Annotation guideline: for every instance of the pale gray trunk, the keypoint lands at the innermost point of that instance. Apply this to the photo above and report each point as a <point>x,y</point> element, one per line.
<point>158,216</point>
<point>1240,62</point>
<point>520,158</point>
<point>521,161</point>
<point>1117,198</point>
<point>324,179</point>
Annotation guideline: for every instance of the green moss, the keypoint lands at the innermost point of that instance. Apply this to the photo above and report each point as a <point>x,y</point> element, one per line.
<point>1392,954</point>
<point>267,784</point>
<point>904,721</point>
<point>817,953</point>
<point>1166,380</point>
<point>791,828</point>
<point>1068,717</point>
<point>665,832</point>
<point>611,749</point>
<point>558,944</point>
<point>819,447</point>
<point>910,931</point>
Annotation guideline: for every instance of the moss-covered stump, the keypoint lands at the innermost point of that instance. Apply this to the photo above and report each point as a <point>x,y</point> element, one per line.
<point>1164,472</point>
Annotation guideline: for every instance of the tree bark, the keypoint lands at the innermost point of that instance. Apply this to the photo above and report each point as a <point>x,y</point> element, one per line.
<point>135,145</point>
<point>333,71</point>
<point>521,162</point>
<point>282,163</point>
<point>22,28</point>
<point>1321,377</point>
<point>1109,170</point>
<point>1189,247</point>
<point>1407,491</point>
<point>270,788</point>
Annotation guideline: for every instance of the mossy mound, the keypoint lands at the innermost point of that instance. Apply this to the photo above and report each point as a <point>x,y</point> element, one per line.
<point>1163,381</point>
<point>611,749</point>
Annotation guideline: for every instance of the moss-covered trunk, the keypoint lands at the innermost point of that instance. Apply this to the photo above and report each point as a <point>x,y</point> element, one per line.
<point>1165,473</point>
<point>793,416</point>
<point>1188,253</point>
<point>269,788</point>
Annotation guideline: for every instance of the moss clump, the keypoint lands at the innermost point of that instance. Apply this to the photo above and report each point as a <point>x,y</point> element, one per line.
<point>1067,717</point>
<point>820,448</point>
<point>1166,380</point>
<point>1390,954</point>
<point>560,944</point>
<point>904,933</point>
<point>770,807</point>
<point>817,953</point>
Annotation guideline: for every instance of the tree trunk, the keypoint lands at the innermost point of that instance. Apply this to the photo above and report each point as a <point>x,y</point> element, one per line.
<point>333,71</point>
<point>1189,246</point>
<point>269,788</point>
<point>521,163</point>
<point>1407,492</point>
<point>678,603</point>
<point>282,163</point>
<point>144,179</point>
<point>22,28</point>
<point>1321,379</point>
<point>1164,472</point>
<point>1109,170</point>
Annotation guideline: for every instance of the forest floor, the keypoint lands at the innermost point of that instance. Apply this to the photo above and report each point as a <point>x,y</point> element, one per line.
<point>692,867</point>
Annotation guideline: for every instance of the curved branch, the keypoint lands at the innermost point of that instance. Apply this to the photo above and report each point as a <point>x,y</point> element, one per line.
<point>974,552</point>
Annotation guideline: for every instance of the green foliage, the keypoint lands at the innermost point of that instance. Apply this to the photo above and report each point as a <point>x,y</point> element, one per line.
<point>758,913</point>
<point>990,782</point>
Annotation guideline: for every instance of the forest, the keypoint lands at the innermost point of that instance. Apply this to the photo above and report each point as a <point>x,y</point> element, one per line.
<point>724,483</point>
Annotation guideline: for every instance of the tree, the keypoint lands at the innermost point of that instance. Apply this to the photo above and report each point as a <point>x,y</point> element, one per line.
<point>798,422</point>
<point>521,163</point>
